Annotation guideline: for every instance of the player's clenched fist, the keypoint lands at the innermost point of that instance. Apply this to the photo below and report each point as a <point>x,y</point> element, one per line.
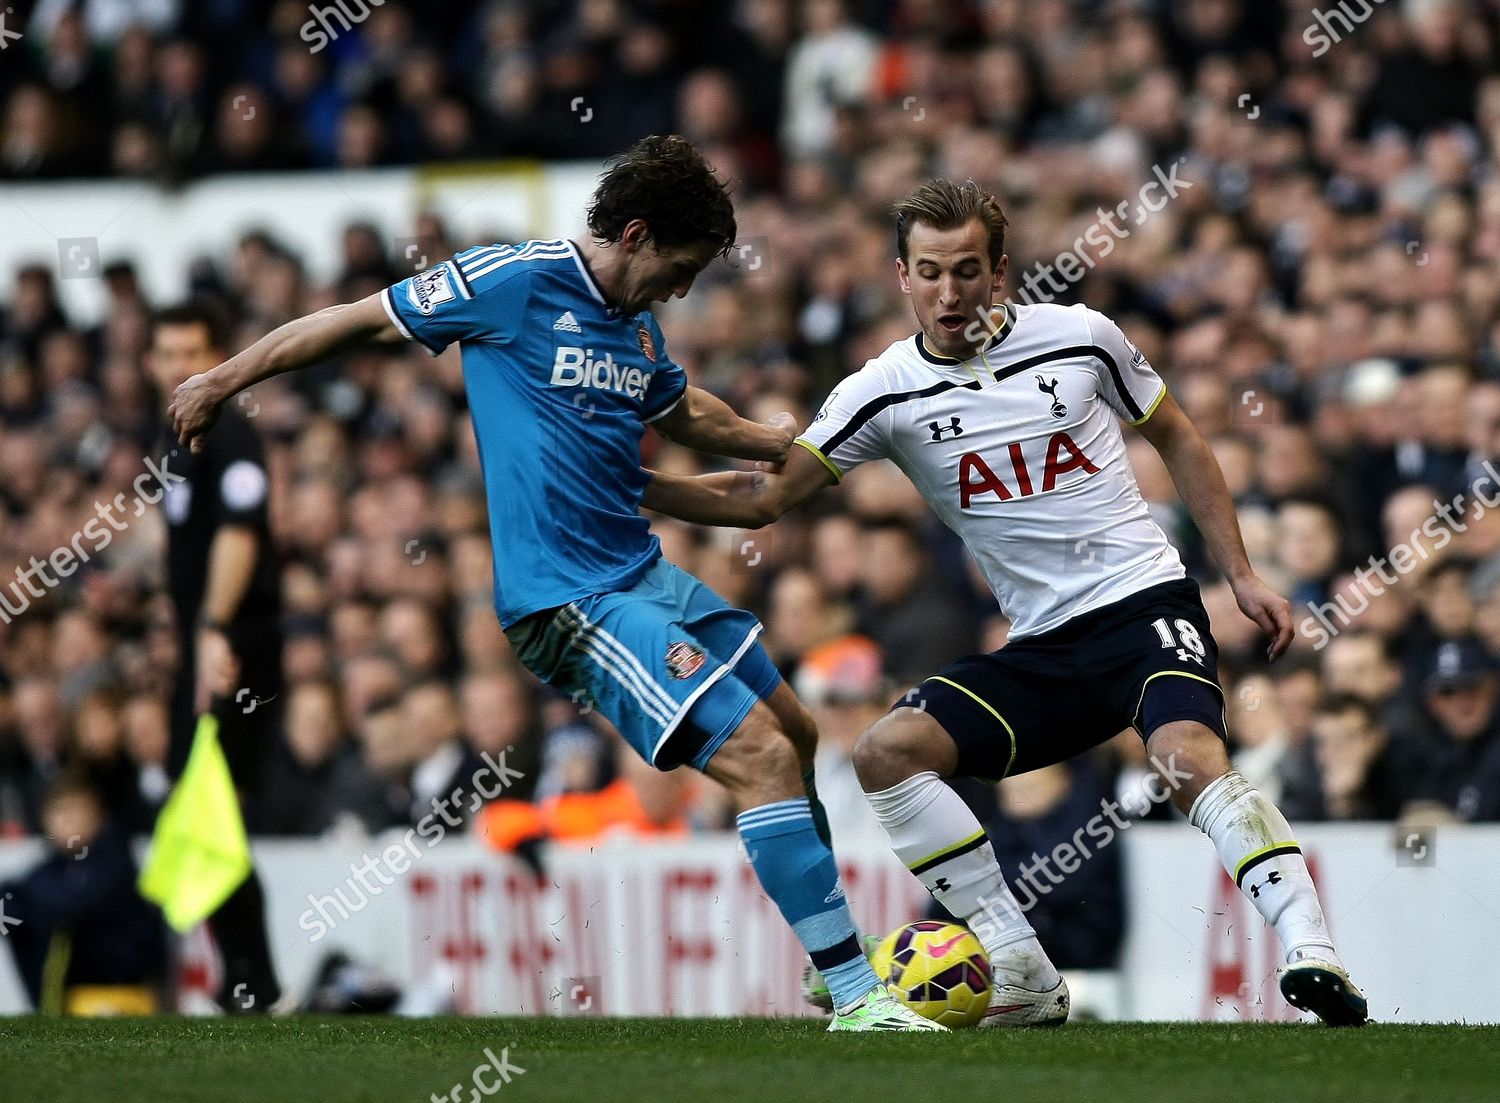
<point>194,409</point>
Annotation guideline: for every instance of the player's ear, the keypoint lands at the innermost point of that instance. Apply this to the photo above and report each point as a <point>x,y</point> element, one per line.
<point>635,235</point>
<point>1000,270</point>
<point>903,275</point>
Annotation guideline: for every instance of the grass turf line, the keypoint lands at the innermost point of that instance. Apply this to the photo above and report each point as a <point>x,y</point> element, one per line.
<point>382,1060</point>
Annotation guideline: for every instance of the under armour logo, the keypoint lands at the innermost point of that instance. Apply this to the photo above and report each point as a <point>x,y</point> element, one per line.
<point>938,429</point>
<point>941,885</point>
<point>1272,878</point>
<point>1058,409</point>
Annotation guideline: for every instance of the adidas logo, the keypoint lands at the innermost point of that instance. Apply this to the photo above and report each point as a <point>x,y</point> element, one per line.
<point>567,323</point>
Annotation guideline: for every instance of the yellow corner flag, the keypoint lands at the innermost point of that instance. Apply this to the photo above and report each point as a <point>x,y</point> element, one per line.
<point>199,852</point>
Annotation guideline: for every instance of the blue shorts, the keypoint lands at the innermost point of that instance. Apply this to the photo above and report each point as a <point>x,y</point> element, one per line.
<point>671,664</point>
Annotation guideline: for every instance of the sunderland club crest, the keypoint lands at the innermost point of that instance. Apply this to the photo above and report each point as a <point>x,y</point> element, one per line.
<point>684,660</point>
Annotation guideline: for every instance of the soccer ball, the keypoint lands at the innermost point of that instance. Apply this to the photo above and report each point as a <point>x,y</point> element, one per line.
<point>939,970</point>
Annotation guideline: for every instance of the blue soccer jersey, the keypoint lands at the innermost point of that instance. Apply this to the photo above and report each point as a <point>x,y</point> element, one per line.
<point>560,390</point>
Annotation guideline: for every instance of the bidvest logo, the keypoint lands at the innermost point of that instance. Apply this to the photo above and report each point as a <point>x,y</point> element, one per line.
<point>575,367</point>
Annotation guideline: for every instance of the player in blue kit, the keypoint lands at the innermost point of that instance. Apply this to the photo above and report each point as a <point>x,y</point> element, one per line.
<point>564,366</point>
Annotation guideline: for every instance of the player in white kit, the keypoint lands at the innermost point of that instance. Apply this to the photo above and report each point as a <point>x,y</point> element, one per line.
<point>1010,428</point>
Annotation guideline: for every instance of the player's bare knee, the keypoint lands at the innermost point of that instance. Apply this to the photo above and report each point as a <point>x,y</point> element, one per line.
<point>900,744</point>
<point>1189,757</point>
<point>801,730</point>
<point>758,763</point>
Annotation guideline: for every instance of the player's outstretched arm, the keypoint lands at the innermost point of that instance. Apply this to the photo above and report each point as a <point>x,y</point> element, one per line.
<point>738,499</point>
<point>1196,474</point>
<point>298,344</point>
<point>707,424</point>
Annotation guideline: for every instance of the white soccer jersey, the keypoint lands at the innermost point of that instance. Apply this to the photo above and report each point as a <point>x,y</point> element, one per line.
<point>1019,450</point>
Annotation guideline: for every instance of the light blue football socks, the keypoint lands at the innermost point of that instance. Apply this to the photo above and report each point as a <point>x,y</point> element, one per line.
<point>798,872</point>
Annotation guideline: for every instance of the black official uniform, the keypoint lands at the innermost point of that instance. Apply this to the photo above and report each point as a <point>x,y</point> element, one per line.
<point>227,484</point>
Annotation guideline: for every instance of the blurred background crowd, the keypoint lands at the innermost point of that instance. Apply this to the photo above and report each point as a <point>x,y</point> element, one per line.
<point>1320,286</point>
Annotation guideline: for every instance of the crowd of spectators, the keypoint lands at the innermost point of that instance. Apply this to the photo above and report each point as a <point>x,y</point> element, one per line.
<point>1320,286</point>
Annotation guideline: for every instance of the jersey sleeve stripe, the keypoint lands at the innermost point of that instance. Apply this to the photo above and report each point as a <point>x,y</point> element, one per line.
<point>390,312</point>
<point>531,252</point>
<point>473,258</point>
<point>1132,407</point>
<point>388,301</point>
<point>838,476</point>
<point>1151,409</point>
<point>669,408</point>
<point>874,407</point>
<point>458,280</point>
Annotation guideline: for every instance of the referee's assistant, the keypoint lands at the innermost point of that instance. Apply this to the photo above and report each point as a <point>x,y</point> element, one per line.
<point>225,588</point>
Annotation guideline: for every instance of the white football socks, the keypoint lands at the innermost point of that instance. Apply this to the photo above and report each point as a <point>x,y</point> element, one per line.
<point>936,836</point>
<point>1255,844</point>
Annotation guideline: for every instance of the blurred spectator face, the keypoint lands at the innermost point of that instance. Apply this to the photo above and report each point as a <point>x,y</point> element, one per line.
<point>1289,461</point>
<point>1444,598</point>
<point>481,639</point>
<point>179,352</point>
<point>354,629</point>
<point>1482,420</point>
<point>892,564</point>
<point>947,273</point>
<point>147,730</point>
<point>1308,547</point>
<point>72,819</point>
<point>361,138</point>
<point>799,613</point>
<point>430,717</point>
<point>40,718</point>
<point>836,554</point>
<point>708,107</point>
<point>1254,718</point>
<point>390,751</point>
<point>97,728</point>
<point>1346,741</point>
<point>1237,460</point>
<point>1405,512</point>
<point>1441,406</point>
<point>1463,708</point>
<point>314,728</point>
<point>411,629</point>
<point>245,121</point>
<point>366,679</point>
<point>1297,693</point>
<point>78,640</point>
<point>498,711</point>
<point>1356,663</point>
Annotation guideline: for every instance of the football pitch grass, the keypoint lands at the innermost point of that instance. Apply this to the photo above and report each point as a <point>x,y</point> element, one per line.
<point>376,1060</point>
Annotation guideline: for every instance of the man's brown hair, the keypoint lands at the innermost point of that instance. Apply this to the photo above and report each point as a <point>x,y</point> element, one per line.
<point>944,205</point>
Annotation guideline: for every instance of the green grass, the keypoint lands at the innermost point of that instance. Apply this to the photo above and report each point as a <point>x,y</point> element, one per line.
<point>375,1060</point>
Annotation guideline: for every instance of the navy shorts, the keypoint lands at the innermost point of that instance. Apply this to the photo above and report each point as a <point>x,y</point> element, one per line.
<point>1141,662</point>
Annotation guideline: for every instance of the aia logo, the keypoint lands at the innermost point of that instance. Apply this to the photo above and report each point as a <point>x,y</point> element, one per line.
<point>937,429</point>
<point>976,477</point>
<point>683,660</point>
<point>1058,409</point>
